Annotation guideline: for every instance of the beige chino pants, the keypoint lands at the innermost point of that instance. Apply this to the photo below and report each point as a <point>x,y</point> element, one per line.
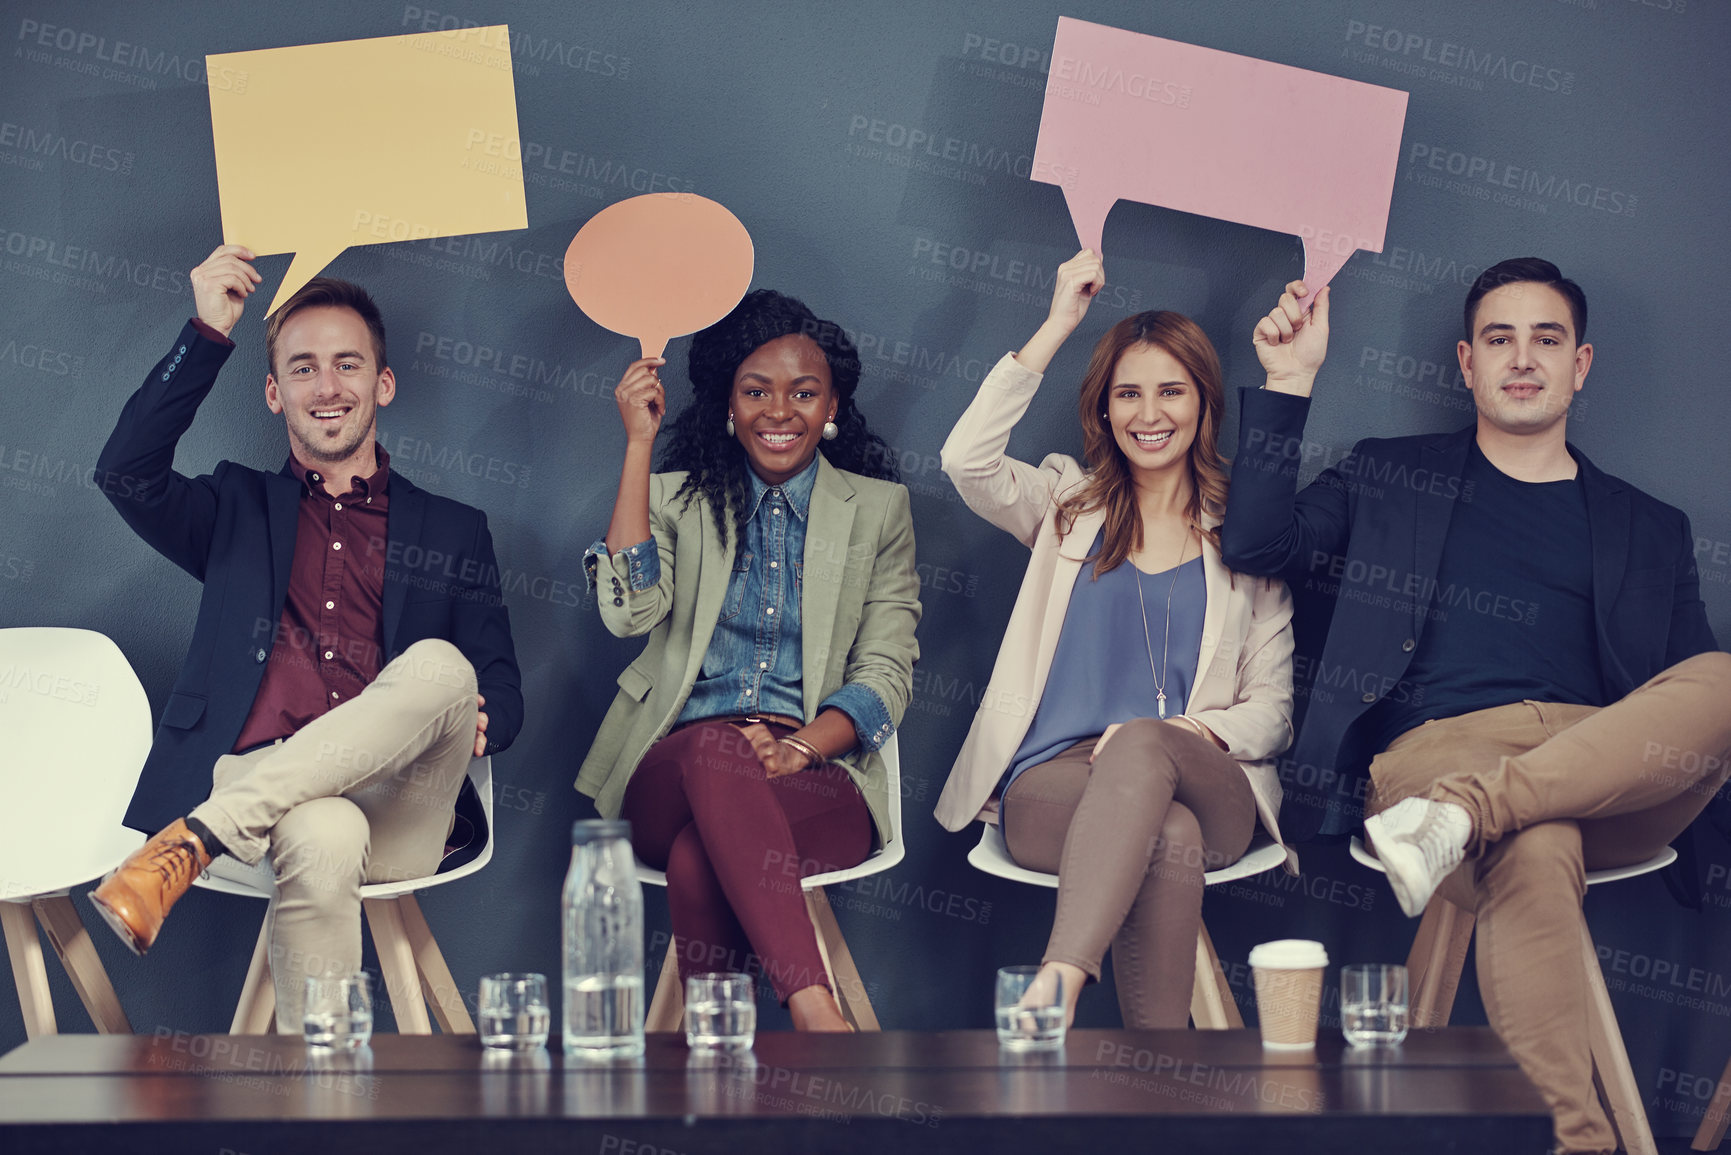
<point>363,794</point>
<point>1554,791</point>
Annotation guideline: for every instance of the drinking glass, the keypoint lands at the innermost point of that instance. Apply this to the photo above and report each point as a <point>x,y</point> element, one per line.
<point>1373,1004</point>
<point>1030,1014</point>
<point>338,1011</point>
<point>514,1012</point>
<point>720,1012</point>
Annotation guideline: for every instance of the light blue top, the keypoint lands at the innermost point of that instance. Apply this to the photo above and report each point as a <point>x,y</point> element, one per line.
<point>1100,671</point>
<point>754,664</point>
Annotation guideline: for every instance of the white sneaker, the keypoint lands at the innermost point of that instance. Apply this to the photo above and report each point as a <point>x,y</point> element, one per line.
<point>1419,841</point>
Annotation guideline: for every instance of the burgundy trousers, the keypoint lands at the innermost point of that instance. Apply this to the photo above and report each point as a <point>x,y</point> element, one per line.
<point>735,844</point>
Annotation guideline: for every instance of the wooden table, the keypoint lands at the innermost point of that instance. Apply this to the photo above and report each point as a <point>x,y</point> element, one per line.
<point>894,1093</point>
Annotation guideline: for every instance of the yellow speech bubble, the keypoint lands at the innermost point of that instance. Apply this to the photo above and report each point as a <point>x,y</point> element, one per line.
<point>361,142</point>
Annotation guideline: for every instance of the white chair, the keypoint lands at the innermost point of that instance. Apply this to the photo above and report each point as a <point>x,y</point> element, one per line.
<point>414,968</point>
<point>76,729</point>
<point>1439,954</point>
<point>1211,1004</point>
<point>667,1008</point>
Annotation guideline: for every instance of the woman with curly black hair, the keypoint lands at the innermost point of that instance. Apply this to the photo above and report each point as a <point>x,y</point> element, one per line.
<point>776,583</point>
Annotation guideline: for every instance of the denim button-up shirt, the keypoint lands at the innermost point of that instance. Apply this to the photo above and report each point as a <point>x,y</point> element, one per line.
<point>754,664</point>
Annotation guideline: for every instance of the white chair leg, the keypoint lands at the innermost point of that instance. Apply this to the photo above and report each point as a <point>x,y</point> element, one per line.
<point>29,973</point>
<point>437,984</point>
<point>1622,1095</point>
<point>850,992</point>
<point>1212,1007</point>
<point>667,1008</point>
<point>397,961</point>
<point>78,955</point>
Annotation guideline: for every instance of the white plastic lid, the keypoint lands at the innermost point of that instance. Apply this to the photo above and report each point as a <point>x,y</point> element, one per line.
<point>1288,954</point>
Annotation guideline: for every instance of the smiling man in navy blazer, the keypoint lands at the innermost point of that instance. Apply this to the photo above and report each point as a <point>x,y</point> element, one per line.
<point>352,650</point>
<point>1512,639</point>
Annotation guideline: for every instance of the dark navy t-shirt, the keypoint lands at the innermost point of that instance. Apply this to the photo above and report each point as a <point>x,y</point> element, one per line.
<point>1511,617</point>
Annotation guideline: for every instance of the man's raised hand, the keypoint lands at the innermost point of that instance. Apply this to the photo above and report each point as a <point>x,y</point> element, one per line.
<point>1290,343</point>
<point>221,285</point>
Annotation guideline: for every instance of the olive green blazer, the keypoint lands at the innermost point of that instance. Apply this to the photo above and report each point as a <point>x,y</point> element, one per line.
<point>859,605</point>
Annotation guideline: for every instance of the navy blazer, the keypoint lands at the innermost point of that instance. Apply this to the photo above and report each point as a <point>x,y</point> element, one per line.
<point>1360,548</point>
<point>234,530</point>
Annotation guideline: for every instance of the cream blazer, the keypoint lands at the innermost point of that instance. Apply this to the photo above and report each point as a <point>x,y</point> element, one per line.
<point>1243,689</point>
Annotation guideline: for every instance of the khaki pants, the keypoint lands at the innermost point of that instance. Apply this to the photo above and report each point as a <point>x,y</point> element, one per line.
<point>1130,837</point>
<point>1554,791</point>
<point>363,794</point>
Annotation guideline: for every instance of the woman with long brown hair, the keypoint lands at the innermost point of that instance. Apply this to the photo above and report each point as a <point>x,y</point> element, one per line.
<point>1127,738</point>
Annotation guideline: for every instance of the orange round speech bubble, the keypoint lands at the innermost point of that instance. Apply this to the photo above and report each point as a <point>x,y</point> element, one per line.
<point>659,266</point>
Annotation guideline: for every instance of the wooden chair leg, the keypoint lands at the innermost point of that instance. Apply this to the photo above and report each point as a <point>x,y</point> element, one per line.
<point>844,978</point>
<point>1212,1007</point>
<point>29,973</point>
<point>1712,1129</point>
<point>667,1008</point>
<point>71,941</point>
<point>1618,1088</point>
<point>255,1014</point>
<point>1434,965</point>
<point>397,961</point>
<point>437,984</point>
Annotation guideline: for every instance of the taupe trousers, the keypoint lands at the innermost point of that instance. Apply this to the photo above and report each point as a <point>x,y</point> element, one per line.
<point>1130,838</point>
<point>1554,791</point>
<point>363,794</point>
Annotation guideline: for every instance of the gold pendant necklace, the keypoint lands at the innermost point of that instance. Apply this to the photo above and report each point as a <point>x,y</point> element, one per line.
<point>1147,637</point>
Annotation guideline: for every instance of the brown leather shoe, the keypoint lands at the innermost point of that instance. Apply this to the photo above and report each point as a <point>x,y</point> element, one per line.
<point>138,895</point>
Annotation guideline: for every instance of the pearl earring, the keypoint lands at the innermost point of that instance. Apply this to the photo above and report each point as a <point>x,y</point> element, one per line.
<point>830,431</point>
<point>730,425</point>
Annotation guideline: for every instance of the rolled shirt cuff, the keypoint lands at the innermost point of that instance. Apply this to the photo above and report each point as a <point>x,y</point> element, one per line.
<point>871,718</point>
<point>642,564</point>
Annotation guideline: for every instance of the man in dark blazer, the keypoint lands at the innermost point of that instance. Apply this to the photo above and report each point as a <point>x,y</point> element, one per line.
<point>1510,640</point>
<point>352,651</point>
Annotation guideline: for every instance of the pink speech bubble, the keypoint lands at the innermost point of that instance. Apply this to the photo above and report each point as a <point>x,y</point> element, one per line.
<point>1220,135</point>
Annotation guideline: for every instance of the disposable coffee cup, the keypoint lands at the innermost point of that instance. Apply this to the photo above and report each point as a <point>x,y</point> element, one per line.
<point>1288,976</point>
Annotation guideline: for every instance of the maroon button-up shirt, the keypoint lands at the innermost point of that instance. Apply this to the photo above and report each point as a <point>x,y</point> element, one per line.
<point>330,642</point>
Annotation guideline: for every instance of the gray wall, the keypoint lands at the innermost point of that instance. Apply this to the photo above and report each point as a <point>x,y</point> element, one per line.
<point>1610,113</point>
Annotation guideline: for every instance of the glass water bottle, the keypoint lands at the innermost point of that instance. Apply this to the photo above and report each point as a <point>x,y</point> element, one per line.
<point>603,915</point>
